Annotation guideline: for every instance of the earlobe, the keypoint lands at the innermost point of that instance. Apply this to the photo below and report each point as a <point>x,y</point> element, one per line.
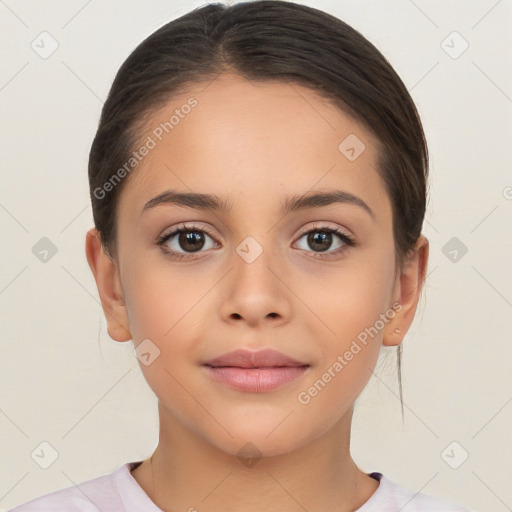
<point>105,273</point>
<point>408,289</point>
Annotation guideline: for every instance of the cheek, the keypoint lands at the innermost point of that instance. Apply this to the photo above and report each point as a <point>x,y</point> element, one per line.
<point>359,319</point>
<point>163,300</point>
<point>334,388</point>
<point>168,308</point>
<point>353,306</point>
<point>348,357</point>
<point>345,300</point>
<point>154,324</point>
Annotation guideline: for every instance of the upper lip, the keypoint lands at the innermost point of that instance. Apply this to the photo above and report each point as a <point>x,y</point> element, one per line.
<point>243,358</point>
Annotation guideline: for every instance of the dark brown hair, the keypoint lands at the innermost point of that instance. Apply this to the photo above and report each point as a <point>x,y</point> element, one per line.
<point>262,41</point>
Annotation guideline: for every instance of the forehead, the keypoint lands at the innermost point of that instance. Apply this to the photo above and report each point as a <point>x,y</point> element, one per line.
<point>252,140</point>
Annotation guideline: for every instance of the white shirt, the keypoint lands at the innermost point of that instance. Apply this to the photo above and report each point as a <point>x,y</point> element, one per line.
<point>120,492</point>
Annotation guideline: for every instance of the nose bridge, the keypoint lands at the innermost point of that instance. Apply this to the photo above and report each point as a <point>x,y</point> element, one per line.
<point>259,246</point>
<point>256,260</point>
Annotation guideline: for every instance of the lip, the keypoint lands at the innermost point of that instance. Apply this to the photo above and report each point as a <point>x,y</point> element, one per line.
<point>243,358</point>
<point>255,372</point>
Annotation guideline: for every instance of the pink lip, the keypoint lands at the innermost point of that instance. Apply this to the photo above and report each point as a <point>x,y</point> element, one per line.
<point>255,380</point>
<point>255,372</point>
<point>243,358</point>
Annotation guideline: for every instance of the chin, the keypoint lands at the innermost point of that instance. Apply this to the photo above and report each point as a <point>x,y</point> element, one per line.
<point>256,441</point>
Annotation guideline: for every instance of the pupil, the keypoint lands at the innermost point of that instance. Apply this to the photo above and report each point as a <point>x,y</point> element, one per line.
<point>317,237</point>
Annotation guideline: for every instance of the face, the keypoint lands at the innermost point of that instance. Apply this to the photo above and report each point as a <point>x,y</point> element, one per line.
<point>317,282</point>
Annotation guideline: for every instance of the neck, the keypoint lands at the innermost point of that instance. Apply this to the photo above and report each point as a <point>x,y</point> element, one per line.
<point>187,473</point>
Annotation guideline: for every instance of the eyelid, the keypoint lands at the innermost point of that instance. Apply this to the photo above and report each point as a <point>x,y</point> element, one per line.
<point>323,225</point>
<point>184,226</point>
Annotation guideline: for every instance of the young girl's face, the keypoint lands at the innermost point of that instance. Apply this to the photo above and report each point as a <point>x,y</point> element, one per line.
<point>256,278</point>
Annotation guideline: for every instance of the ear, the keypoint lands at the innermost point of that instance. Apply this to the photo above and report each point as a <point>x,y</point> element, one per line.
<point>105,273</point>
<point>406,293</point>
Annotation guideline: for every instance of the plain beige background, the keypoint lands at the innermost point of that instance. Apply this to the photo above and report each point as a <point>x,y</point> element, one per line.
<point>66,383</point>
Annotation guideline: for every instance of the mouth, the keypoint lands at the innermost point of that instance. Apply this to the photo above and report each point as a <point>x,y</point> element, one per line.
<point>255,372</point>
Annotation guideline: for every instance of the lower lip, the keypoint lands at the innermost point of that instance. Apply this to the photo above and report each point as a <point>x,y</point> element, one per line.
<point>256,380</point>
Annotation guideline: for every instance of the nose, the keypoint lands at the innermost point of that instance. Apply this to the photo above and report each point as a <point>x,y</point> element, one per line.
<point>255,292</point>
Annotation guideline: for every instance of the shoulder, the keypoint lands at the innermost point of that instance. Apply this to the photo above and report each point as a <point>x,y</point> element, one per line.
<point>99,493</point>
<point>392,496</point>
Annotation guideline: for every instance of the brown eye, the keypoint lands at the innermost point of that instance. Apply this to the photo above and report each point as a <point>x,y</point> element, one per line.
<point>183,241</point>
<point>321,239</point>
<point>191,241</point>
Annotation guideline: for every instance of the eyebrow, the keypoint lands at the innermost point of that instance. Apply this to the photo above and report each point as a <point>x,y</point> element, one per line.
<point>294,203</point>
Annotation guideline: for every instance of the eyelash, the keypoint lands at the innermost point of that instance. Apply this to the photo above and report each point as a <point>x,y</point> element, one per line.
<point>346,239</point>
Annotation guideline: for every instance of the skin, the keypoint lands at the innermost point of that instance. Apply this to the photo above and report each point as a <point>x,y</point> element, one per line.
<point>256,144</point>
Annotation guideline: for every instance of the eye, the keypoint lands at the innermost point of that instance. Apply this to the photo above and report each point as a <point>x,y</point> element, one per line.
<point>320,239</point>
<point>186,241</point>
<point>190,239</point>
